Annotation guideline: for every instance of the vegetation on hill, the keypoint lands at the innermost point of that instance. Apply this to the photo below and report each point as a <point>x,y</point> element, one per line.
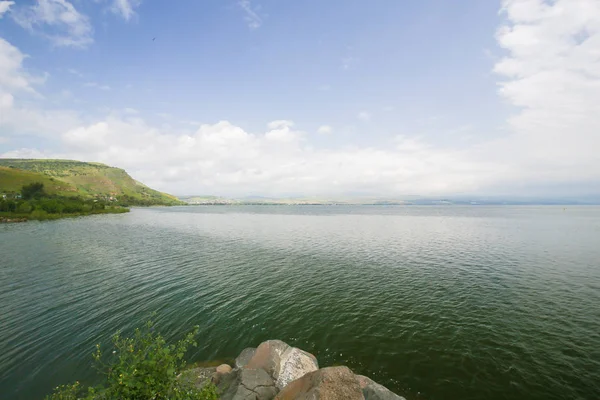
<point>80,179</point>
<point>143,366</point>
<point>12,180</point>
<point>34,203</point>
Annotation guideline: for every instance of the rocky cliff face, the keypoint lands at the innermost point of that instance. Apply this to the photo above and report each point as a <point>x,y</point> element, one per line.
<point>275,370</point>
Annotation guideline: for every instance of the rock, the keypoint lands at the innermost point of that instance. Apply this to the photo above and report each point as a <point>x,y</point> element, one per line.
<point>12,220</point>
<point>294,364</point>
<point>224,369</point>
<point>332,383</point>
<point>247,384</point>
<point>221,370</point>
<point>244,357</point>
<point>283,362</point>
<point>374,391</point>
<point>268,356</point>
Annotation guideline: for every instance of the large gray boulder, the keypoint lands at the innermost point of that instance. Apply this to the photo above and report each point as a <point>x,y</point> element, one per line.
<point>294,364</point>
<point>268,356</point>
<point>283,362</point>
<point>245,356</point>
<point>247,384</point>
<point>374,391</point>
<point>333,383</point>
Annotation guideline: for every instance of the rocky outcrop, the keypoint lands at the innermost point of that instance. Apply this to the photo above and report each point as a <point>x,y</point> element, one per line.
<point>374,391</point>
<point>268,356</point>
<point>333,383</point>
<point>275,370</point>
<point>245,356</point>
<point>247,384</point>
<point>283,362</point>
<point>294,364</point>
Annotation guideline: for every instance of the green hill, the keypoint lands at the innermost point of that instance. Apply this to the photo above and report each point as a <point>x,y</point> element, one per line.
<point>76,178</point>
<point>12,180</point>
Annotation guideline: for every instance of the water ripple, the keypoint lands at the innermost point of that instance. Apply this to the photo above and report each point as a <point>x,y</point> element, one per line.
<point>434,302</point>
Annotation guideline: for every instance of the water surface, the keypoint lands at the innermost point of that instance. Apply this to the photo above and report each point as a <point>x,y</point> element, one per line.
<point>434,302</point>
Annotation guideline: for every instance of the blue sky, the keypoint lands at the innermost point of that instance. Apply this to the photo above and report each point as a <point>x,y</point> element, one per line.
<point>309,98</point>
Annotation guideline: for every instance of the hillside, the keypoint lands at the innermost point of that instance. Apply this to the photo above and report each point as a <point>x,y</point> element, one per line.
<point>12,180</point>
<point>76,178</point>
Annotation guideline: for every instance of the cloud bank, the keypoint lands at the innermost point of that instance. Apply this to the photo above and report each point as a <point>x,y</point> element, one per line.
<point>549,72</point>
<point>552,74</point>
<point>58,21</point>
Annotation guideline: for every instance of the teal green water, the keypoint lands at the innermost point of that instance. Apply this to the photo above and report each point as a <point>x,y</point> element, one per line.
<point>434,302</point>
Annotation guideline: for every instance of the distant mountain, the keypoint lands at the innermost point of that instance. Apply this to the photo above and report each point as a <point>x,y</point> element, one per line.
<point>383,201</point>
<point>76,178</point>
<point>260,200</point>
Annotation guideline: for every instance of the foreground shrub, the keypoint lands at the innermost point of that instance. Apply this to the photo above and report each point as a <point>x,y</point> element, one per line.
<point>141,367</point>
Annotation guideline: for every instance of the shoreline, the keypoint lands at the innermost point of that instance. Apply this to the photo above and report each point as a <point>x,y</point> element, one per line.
<point>7,220</point>
<point>18,218</point>
<point>276,370</point>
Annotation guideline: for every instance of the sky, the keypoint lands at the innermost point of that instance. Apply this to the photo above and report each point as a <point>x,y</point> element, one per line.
<point>380,98</point>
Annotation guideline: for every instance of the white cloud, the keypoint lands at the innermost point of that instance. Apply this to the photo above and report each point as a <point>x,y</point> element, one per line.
<point>325,130</point>
<point>125,8</point>
<point>96,85</point>
<point>4,7</point>
<point>252,18</point>
<point>37,122</point>
<point>282,131</point>
<point>552,72</point>
<point>15,86</point>
<point>280,123</point>
<point>364,116</point>
<point>6,100</point>
<point>225,159</point>
<point>58,21</point>
<point>12,75</point>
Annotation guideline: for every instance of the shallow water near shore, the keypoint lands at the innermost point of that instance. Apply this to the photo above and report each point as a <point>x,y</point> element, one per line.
<point>436,303</point>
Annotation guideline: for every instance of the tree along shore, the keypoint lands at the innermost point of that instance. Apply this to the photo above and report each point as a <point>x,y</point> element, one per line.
<point>33,203</point>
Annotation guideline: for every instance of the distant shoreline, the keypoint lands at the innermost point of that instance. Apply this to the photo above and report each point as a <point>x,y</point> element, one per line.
<point>481,204</point>
<point>10,218</point>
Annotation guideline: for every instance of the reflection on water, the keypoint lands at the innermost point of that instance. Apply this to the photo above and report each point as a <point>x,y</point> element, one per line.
<point>434,302</point>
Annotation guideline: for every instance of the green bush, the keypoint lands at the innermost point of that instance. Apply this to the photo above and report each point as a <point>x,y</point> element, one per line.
<point>51,206</point>
<point>9,206</point>
<point>24,208</point>
<point>39,214</point>
<point>72,206</point>
<point>100,205</point>
<point>37,204</point>
<point>141,367</point>
<point>66,392</point>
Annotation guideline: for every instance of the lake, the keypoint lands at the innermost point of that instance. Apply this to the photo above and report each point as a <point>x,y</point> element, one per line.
<point>435,303</point>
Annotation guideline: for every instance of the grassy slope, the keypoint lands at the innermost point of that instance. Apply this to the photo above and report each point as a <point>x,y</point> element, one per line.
<point>74,178</point>
<point>11,181</point>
